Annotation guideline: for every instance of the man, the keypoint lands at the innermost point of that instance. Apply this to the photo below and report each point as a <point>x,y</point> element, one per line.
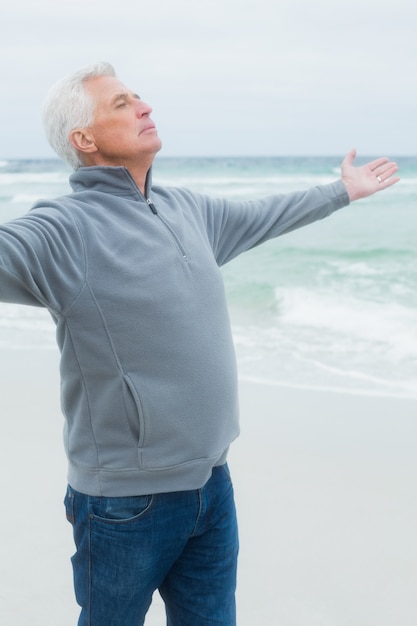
<point>130,274</point>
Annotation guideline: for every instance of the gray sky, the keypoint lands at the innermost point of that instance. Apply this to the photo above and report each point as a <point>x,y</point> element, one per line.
<point>225,77</point>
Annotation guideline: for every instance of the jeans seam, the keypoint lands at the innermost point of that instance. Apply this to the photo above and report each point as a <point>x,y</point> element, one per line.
<point>200,509</point>
<point>89,575</point>
<point>69,506</point>
<point>226,471</point>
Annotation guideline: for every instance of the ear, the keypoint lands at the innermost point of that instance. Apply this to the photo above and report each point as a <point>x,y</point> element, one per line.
<point>83,140</point>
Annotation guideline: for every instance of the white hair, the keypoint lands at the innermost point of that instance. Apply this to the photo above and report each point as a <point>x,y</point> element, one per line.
<point>67,106</point>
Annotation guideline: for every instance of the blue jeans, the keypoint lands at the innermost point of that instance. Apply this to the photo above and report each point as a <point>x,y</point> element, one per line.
<point>185,544</point>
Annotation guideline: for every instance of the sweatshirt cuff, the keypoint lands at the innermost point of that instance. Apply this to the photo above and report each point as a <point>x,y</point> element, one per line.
<point>339,195</point>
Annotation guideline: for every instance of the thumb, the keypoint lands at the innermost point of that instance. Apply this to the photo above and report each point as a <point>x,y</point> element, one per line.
<point>349,158</point>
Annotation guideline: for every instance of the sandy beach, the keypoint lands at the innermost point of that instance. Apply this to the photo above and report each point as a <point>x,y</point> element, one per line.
<point>326,488</point>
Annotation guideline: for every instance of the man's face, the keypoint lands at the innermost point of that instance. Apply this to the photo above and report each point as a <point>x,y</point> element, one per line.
<point>122,130</point>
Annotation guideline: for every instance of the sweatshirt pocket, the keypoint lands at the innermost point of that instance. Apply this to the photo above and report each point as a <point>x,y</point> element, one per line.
<point>134,410</point>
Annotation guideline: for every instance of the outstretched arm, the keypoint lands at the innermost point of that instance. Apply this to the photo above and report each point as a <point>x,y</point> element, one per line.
<point>367,179</point>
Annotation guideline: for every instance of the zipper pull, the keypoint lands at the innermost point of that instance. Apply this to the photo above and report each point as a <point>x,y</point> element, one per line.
<point>151,206</point>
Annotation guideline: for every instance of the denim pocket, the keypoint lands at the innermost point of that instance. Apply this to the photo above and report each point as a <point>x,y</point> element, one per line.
<point>117,510</point>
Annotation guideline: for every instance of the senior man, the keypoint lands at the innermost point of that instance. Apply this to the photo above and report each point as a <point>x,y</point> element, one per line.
<point>130,273</point>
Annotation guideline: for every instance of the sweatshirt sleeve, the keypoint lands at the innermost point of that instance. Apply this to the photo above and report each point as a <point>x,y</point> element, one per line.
<point>235,227</point>
<point>42,261</point>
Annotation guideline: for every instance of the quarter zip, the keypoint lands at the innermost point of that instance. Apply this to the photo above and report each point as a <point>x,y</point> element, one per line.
<point>171,231</point>
<point>151,206</point>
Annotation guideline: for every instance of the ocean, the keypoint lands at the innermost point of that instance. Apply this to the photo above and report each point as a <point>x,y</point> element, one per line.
<point>330,306</point>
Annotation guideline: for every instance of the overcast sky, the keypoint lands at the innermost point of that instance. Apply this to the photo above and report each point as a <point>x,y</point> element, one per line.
<point>225,77</point>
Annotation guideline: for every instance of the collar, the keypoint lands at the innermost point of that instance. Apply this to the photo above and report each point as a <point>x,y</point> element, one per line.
<point>108,179</point>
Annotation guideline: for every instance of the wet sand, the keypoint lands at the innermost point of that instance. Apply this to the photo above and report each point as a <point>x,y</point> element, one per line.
<point>326,488</point>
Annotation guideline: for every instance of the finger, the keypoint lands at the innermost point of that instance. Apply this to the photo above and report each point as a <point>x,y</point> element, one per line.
<point>382,173</point>
<point>388,182</point>
<point>377,163</point>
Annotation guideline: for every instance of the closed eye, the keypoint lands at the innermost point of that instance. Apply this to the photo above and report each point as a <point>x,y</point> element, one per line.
<point>122,99</point>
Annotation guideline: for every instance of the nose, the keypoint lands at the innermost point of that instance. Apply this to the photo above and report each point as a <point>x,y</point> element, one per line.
<point>143,109</point>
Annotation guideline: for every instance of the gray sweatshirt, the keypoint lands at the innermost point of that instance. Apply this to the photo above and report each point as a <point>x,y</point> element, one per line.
<point>148,371</point>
